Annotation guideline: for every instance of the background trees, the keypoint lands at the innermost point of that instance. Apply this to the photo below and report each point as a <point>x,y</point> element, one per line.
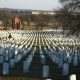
<point>71,5</point>
<point>69,16</point>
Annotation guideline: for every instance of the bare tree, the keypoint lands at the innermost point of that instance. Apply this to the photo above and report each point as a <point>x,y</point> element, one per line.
<point>71,5</point>
<point>70,15</point>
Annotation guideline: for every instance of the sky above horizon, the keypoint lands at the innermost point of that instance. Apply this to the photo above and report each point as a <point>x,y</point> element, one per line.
<point>30,4</point>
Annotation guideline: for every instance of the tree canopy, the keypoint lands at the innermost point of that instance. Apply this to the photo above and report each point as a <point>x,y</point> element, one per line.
<point>71,5</point>
<point>69,16</point>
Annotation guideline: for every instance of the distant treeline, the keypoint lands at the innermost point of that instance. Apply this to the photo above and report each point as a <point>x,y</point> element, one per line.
<point>40,20</point>
<point>62,19</point>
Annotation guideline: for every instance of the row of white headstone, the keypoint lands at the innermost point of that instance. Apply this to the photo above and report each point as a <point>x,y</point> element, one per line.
<point>23,41</point>
<point>13,50</point>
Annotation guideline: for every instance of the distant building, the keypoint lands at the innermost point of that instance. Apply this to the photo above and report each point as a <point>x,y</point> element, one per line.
<point>23,11</point>
<point>43,12</point>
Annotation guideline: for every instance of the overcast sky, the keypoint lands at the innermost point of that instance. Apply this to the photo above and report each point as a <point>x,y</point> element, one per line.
<point>30,4</point>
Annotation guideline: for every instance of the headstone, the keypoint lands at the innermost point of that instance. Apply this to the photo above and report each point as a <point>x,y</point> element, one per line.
<point>5,68</point>
<point>10,53</point>
<point>73,77</point>
<point>12,63</point>
<point>25,67</point>
<point>16,58</point>
<point>45,73</point>
<point>65,69</point>
<point>13,50</point>
<point>1,59</point>
<point>19,57</point>
<point>43,59</point>
<point>69,59</point>
<point>75,60</point>
<point>65,57</point>
<point>16,52</point>
<point>6,56</point>
<point>56,60</point>
<point>60,64</point>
